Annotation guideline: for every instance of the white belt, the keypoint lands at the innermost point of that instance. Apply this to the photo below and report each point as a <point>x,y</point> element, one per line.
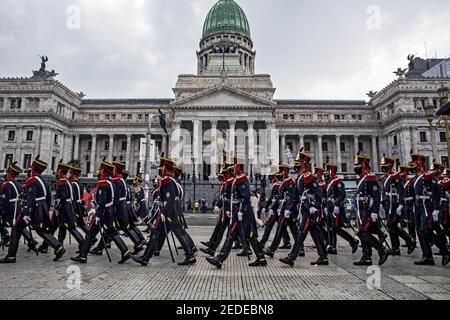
<point>122,199</point>
<point>79,201</point>
<point>309,196</point>
<point>108,205</point>
<point>14,200</point>
<point>391,194</point>
<point>128,202</point>
<point>41,198</point>
<point>142,200</point>
<point>68,200</point>
<point>424,197</point>
<point>364,198</point>
<point>409,199</point>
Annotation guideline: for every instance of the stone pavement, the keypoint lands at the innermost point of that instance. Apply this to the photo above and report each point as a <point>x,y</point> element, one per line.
<point>40,278</point>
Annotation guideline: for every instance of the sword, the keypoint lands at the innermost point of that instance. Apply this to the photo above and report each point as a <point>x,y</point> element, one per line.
<point>166,233</point>
<point>102,237</point>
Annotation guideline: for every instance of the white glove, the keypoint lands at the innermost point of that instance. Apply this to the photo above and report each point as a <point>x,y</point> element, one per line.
<point>259,222</point>
<point>163,218</point>
<point>216,209</point>
<point>436,215</point>
<point>229,214</point>
<point>240,216</point>
<point>287,214</point>
<point>263,211</point>
<point>27,219</point>
<point>325,211</point>
<point>312,210</point>
<point>336,210</point>
<point>374,217</point>
<point>97,220</point>
<point>399,210</point>
<point>271,212</point>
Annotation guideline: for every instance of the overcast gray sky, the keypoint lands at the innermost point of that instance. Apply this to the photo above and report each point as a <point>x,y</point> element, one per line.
<point>136,48</point>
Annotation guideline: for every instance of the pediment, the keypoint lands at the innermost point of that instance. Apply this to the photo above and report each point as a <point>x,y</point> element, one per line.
<point>223,97</point>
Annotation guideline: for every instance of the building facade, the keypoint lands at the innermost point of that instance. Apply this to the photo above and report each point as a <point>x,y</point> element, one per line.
<point>226,105</point>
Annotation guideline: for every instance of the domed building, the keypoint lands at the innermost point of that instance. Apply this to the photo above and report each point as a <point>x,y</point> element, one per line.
<point>227,106</point>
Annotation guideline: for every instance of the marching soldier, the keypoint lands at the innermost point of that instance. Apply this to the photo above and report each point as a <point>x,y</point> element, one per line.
<point>139,201</point>
<point>445,204</point>
<point>368,200</point>
<point>129,207</point>
<point>79,209</point>
<point>271,207</point>
<point>322,222</point>
<point>11,198</point>
<point>65,205</point>
<point>223,209</point>
<point>285,198</point>
<point>393,204</point>
<point>310,197</point>
<point>38,199</point>
<point>242,221</point>
<point>427,212</point>
<point>168,218</point>
<point>335,210</point>
<point>408,209</point>
<point>123,213</point>
<point>103,221</point>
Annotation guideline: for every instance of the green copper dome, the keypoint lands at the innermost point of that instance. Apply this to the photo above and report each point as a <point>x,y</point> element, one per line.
<point>226,15</point>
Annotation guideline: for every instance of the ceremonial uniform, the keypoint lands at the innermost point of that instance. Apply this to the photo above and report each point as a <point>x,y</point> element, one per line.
<point>335,209</point>
<point>426,214</point>
<point>168,218</point>
<point>103,220</point>
<point>286,198</point>
<point>408,209</point>
<point>242,222</point>
<point>445,205</point>
<point>368,202</point>
<point>78,205</point>
<point>393,204</point>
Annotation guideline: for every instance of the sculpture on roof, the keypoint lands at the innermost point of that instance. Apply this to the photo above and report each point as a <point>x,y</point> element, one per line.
<point>42,72</point>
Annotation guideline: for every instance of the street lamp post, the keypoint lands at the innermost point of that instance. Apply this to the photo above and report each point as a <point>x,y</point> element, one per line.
<point>442,116</point>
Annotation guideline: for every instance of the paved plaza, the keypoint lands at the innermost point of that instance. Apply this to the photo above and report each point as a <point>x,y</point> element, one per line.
<point>40,278</point>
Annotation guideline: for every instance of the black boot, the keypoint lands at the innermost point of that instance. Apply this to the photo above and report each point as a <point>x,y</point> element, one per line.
<point>79,259</point>
<point>188,261</point>
<point>288,260</point>
<point>445,259</point>
<point>138,248</point>
<point>425,262</point>
<point>59,252</point>
<point>355,246</point>
<point>384,254</point>
<point>125,258</point>
<point>332,250</point>
<point>302,253</point>
<point>206,243</point>
<point>320,262</point>
<point>96,251</point>
<point>260,262</point>
<point>286,246</point>
<point>140,260</point>
<point>245,253</point>
<point>208,251</point>
<point>363,262</point>
<point>42,249</point>
<point>7,259</point>
<point>214,261</point>
<point>269,252</point>
<point>396,252</point>
<point>32,246</point>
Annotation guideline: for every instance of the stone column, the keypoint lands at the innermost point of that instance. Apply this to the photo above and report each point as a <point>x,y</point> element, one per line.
<point>338,152</point>
<point>175,149</point>
<point>2,139</point>
<point>62,147</point>
<point>164,144</point>
<point>251,146</point>
<point>356,144</point>
<point>283,148</point>
<point>76,150</point>
<point>111,146</point>
<point>301,142</point>
<point>196,146</point>
<point>148,165</point>
<point>319,161</point>
<point>214,156</point>
<point>231,141</point>
<point>51,147</point>
<point>434,144</point>
<point>37,149</point>
<point>93,155</point>
<point>129,151</point>
<point>413,134</point>
<point>19,139</point>
<point>375,154</point>
<point>389,145</point>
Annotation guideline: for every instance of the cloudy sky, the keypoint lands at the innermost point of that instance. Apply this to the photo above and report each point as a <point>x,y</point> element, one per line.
<point>136,48</point>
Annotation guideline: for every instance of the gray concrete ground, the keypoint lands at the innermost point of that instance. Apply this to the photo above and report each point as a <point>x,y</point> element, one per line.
<point>40,278</point>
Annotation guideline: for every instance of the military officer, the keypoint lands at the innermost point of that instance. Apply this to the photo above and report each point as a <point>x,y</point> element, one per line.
<point>79,208</point>
<point>242,220</point>
<point>140,203</point>
<point>309,208</point>
<point>368,200</point>
<point>393,204</point>
<point>427,212</point>
<point>103,220</point>
<point>11,198</point>
<point>408,209</point>
<point>65,205</point>
<point>337,220</point>
<point>285,197</point>
<point>168,218</point>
